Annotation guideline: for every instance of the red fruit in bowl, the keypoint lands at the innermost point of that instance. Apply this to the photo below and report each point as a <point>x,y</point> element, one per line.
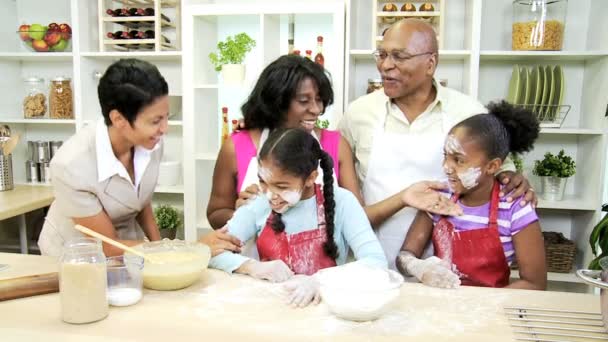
<point>24,33</point>
<point>52,37</point>
<point>66,31</point>
<point>54,27</point>
<point>40,45</point>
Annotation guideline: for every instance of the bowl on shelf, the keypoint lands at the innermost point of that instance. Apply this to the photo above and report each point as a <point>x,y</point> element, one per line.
<point>51,38</point>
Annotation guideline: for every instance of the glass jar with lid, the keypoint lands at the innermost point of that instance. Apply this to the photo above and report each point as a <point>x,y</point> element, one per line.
<point>83,281</point>
<point>374,84</point>
<point>538,24</point>
<point>34,99</point>
<point>60,99</point>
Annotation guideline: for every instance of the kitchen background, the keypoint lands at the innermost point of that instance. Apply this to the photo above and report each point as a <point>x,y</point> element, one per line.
<point>476,57</point>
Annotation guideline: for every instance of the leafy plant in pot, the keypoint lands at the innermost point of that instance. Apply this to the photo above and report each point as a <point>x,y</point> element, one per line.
<point>230,56</point>
<point>168,220</point>
<point>598,240</point>
<point>554,171</point>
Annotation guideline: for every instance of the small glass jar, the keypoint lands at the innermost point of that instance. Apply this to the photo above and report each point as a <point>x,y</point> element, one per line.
<point>34,100</point>
<point>60,99</point>
<point>374,84</point>
<point>83,281</point>
<point>538,24</point>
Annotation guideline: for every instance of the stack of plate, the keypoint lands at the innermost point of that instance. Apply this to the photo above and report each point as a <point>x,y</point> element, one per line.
<point>540,89</point>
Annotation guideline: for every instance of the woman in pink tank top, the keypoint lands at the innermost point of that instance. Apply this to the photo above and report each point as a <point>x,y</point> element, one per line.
<point>291,92</point>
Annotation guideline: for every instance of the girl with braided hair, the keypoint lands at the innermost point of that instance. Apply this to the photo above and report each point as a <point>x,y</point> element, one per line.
<point>301,227</point>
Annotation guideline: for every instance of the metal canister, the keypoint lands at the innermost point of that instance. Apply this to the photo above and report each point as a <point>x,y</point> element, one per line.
<point>45,172</point>
<point>6,172</point>
<point>32,152</point>
<point>55,145</point>
<point>31,171</point>
<point>42,151</point>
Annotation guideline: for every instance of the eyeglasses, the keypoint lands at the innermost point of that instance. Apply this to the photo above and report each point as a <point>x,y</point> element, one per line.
<point>398,56</point>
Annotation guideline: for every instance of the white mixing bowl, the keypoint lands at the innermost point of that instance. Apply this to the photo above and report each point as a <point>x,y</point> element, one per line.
<point>359,293</point>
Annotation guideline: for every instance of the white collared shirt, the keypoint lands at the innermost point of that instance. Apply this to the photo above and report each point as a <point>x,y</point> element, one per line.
<point>361,120</point>
<point>107,163</point>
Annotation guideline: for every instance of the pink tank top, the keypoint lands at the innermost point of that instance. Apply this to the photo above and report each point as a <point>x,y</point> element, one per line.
<point>244,149</point>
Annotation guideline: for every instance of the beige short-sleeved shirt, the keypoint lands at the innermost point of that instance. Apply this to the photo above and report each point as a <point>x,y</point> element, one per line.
<point>360,121</point>
<point>79,191</point>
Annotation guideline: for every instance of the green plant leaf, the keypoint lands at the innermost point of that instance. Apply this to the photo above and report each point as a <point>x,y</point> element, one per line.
<point>232,50</point>
<point>167,217</point>
<point>559,165</point>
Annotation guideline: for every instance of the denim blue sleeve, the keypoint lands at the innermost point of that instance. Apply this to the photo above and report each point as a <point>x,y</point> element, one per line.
<point>243,225</point>
<point>355,227</point>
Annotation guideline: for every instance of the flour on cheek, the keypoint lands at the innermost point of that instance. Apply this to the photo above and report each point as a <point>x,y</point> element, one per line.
<point>470,177</point>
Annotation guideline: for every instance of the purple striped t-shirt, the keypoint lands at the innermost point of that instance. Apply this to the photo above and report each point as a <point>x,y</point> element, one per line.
<point>512,218</point>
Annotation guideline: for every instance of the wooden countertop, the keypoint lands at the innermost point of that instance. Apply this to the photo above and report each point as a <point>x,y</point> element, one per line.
<point>226,307</point>
<point>23,199</point>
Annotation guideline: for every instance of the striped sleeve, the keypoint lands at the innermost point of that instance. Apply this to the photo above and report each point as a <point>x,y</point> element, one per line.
<point>521,217</point>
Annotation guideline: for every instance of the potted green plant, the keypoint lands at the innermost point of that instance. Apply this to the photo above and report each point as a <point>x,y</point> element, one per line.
<point>168,220</point>
<point>554,171</point>
<point>518,161</point>
<point>230,56</point>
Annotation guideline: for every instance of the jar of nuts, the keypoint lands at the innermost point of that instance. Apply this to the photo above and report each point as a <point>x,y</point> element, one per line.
<point>34,101</point>
<point>538,24</point>
<point>60,99</point>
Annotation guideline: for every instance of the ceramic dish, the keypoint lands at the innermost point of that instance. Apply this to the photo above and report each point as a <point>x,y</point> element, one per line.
<point>514,85</point>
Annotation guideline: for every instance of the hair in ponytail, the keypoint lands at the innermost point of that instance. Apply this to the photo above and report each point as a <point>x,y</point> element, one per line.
<point>299,153</point>
<point>504,129</point>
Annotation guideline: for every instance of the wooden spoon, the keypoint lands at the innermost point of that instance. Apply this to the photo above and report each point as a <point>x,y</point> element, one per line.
<point>10,144</point>
<point>115,243</point>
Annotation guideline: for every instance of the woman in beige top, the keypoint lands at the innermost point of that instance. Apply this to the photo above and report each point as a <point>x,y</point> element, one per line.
<point>104,176</point>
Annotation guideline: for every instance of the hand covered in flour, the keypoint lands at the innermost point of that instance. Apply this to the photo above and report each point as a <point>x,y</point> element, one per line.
<point>249,193</point>
<point>302,290</point>
<point>424,196</point>
<point>431,271</point>
<point>275,271</point>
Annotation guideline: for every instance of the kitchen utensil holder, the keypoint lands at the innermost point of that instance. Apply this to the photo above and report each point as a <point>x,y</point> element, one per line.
<point>6,172</point>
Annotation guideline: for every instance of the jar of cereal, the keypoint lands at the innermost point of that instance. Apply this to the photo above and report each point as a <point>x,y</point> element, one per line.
<point>34,101</point>
<point>60,99</point>
<point>538,24</point>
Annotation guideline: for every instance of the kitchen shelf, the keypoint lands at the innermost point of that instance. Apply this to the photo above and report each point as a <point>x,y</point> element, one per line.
<point>452,55</point>
<point>175,123</point>
<point>171,56</point>
<point>498,55</point>
<point>206,156</point>
<point>570,202</point>
<point>553,276</point>
<point>401,14</point>
<point>37,56</point>
<point>572,131</point>
<point>38,121</point>
<point>175,189</point>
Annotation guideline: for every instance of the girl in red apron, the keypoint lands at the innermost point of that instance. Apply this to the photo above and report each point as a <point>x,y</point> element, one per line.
<point>478,247</point>
<point>301,227</point>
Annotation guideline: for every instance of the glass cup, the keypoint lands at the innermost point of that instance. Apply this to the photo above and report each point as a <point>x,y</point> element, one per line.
<point>124,280</point>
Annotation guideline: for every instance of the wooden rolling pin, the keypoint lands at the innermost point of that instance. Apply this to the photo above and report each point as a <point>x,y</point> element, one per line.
<point>29,286</point>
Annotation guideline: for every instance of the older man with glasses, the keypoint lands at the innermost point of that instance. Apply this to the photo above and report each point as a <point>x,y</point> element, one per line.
<point>398,134</point>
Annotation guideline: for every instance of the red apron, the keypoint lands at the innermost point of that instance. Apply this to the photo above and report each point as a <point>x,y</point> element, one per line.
<point>302,252</point>
<point>477,255</point>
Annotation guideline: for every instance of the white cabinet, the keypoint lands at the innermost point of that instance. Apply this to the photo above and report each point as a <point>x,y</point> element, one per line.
<point>477,59</point>
<point>205,93</point>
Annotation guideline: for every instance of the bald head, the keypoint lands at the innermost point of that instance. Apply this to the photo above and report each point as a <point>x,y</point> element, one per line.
<point>418,34</point>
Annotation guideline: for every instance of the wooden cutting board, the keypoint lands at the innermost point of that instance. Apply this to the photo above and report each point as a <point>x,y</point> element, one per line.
<point>27,275</point>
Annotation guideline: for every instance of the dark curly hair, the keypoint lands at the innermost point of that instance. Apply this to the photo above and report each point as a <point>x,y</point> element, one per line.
<point>298,153</point>
<point>277,85</point>
<point>504,129</point>
<point>128,86</point>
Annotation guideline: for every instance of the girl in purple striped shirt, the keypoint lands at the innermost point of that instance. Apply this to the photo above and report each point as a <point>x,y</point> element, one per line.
<point>478,247</point>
